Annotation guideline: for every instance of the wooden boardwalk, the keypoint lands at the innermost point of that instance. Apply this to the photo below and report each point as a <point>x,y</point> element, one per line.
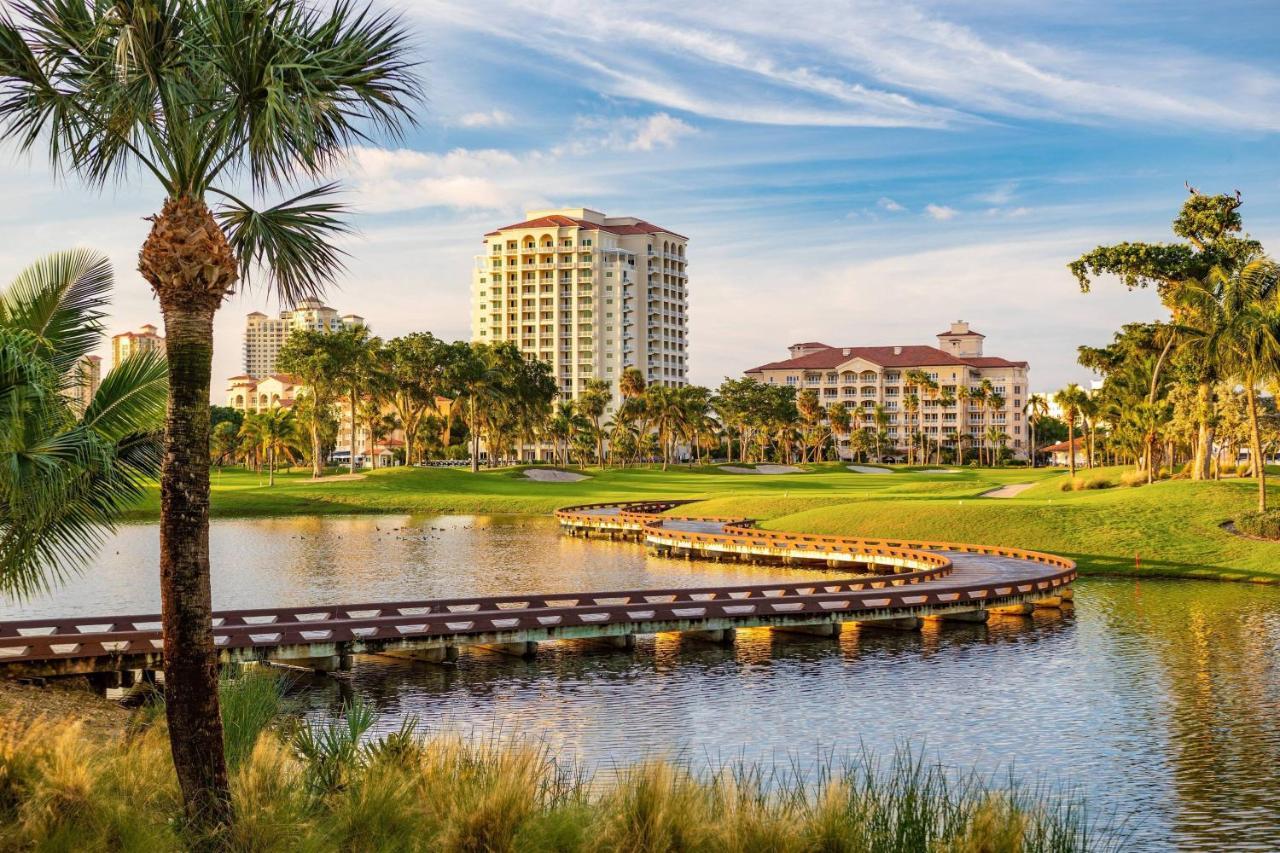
<point>879,582</point>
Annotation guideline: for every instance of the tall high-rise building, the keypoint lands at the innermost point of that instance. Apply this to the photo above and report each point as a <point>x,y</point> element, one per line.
<point>263,335</point>
<point>85,378</point>
<point>590,294</point>
<point>125,344</point>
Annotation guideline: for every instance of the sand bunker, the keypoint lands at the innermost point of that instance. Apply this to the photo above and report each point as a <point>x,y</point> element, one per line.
<point>1010,491</point>
<point>762,469</point>
<point>868,469</point>
<point>544,475</point>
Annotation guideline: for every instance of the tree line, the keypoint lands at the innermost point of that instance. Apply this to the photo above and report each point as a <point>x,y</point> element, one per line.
<point>448,398</point>
<point>1188,390</point>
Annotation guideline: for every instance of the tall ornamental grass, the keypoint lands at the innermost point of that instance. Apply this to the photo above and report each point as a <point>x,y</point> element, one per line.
<point>330,786</point>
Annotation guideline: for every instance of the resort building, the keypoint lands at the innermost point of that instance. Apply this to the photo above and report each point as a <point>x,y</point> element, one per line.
<point>588,293</point>
<point>383,447</point>
<point>126,344</point>
<point>864,378</point>
<point>263,335</point>
<point>248,394</point>
<point>85,378</point>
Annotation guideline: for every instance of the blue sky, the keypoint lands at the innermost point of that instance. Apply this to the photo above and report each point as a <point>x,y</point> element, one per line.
<point>852,172</point>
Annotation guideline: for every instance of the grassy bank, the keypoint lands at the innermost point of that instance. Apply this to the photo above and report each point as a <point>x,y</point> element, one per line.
<point>320,788</point>
<point>1170,528</point>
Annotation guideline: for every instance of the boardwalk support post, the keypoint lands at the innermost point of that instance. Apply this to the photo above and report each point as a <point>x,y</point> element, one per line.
<point>718,636</point>
<point>821,629</point>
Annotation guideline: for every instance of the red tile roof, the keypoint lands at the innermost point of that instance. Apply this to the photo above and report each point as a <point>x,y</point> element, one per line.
<point>906,356</point>
<point>286,378</point>
<point>558,221</point>
<point>949,334</point>
<point>992,361</point>
<point>808,344</point>
<point>1061,447</point>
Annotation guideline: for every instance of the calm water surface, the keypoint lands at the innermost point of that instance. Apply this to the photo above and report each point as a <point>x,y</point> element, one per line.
<point>1157,699</point>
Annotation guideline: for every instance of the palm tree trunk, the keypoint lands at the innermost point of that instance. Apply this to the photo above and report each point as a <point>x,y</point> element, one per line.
<point>188,263</point>
<point>1255,444</point>
<point>271,460</point>
<point>351,463</point>
<point>475,436</point>
<point>1200,468</point>
<point>190,661</point>
<point>1071,446</point>
<point>317,469</point>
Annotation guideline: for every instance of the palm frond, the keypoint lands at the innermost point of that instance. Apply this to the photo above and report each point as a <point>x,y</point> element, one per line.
<point>62,299</point>
<point>288,244</point>
<point>131,398</point>
<point>308,81</point>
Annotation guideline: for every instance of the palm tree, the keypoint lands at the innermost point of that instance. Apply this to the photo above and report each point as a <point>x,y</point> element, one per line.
<point>980,396</point>
<point>1036,409</point>
<point>1240,335</point>
<point>594,402</point>
<point>66,474</point>
<point>1069,400</point>
<point>562,426</point>
<point>880,417</point>
<point>946,398</point>
<point>841,422</point>
<point>962,418</point>
<point>276,434</point>
<point>631,384</point>
<point>224,443</point>
<point>355,351</point>
<point>204,97</point>
<point>1089,410</point>
<point>995,402</point>
<point>810,409</point>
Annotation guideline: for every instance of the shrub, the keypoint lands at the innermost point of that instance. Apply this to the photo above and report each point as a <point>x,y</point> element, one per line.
<point>1242,469</point>
<point>1099,483</point>
<point>1133,478</point>
<point>1265,525</point>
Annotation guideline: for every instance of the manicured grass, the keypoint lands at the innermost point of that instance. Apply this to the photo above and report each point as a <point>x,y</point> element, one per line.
<point>1172,528</point>
<point>239,493</point>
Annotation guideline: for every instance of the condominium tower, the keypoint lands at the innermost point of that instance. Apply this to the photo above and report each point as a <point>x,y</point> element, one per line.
<point>126,344</point>
<point>588,293</point>
<point>263,335</point>
<point>866,377</point>
<point>85,377</point>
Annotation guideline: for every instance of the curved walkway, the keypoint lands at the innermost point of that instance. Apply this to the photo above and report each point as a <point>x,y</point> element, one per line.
<point>888,582</point>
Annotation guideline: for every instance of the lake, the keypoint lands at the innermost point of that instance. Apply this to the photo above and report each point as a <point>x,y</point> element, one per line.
<point>1159,700</point>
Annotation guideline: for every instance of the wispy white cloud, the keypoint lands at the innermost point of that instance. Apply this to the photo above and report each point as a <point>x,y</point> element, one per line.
<point>491,118</point>
<point>940,212</point>
<point>1000,194</point>
<point>495,179</point>
<point>876,63</point>
<point>659,131</point>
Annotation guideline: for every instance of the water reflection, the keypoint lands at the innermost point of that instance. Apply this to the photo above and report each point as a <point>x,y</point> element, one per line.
<point>1159,699</point>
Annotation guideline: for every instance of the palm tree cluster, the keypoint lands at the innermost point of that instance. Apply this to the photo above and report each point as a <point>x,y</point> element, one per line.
<point>1171,389</point>
<point>417,384</point>
<point>650,423</point>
